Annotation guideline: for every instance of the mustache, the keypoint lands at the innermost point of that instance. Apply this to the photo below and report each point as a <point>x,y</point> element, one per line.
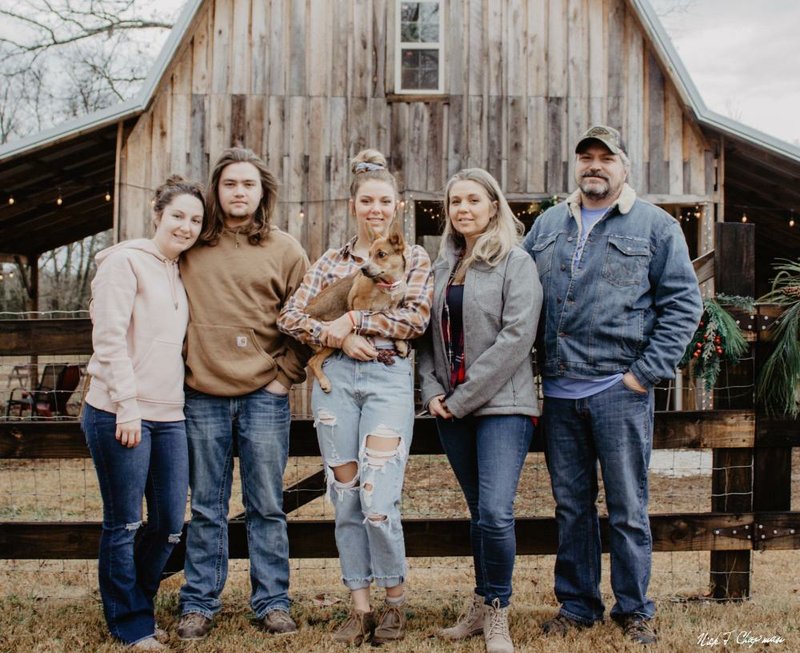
<point>594,174</point>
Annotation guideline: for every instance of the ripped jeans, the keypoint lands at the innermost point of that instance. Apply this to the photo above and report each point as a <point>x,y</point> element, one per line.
<point>132,554</point>
<point>367,420</point>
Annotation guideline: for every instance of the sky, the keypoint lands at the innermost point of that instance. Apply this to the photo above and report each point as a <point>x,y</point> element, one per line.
<point>743,57</point>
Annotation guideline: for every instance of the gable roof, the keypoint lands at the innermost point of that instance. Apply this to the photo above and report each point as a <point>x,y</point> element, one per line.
<point>85,148</point>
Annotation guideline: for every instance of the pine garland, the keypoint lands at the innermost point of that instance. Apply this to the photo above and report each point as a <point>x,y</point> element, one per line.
<point>779,380</point>
<point>717,338</point>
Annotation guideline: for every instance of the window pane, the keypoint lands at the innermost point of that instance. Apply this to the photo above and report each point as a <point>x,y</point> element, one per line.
<point>429,33</point>
<point>429,80</point>
<point>410,79</point>
<point>409,12</point>
<point>429,13</point>
<point>429,59</point>
<point>410,59</point>
<point>409,32</point>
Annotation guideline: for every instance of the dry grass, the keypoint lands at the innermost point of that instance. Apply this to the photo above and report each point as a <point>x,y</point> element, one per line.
<point>53,606</point>
<point>435,595</point>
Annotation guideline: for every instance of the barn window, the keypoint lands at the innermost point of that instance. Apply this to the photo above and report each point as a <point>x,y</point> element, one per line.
<point>419,63</point>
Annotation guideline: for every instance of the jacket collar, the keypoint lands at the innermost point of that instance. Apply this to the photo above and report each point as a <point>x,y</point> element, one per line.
<point>623,203</point>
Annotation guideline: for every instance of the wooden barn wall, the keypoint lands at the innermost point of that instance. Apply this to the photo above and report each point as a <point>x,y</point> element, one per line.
<point>307,83</point>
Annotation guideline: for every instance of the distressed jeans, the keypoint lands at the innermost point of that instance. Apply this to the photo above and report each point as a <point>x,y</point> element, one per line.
<point>614,427</point>
<point>258,425</point>
<point>369,400</point>
<point>130,562</point>
<point>487,454</point>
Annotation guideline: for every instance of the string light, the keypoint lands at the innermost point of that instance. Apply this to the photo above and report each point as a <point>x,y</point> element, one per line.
<point>791,219</point>
<point>108,195</point>
<point>11,200</point>
<point>744,217</point>
<point>59,200</point>
<point>302,214</point>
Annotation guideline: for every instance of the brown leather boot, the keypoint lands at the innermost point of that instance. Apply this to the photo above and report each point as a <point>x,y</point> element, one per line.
<point>391,624</point>
<point>356,629</point>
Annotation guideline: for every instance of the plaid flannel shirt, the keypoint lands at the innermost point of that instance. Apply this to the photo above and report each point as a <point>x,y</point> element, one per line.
<point>407,321</point>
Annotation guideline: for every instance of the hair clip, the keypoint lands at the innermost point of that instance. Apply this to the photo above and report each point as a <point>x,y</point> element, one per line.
<point>366,166</point>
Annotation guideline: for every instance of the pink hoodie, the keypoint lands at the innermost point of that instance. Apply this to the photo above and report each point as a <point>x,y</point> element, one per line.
<point>139,311</point>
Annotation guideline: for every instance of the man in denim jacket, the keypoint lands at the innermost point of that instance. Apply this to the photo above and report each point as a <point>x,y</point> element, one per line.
<point>620,304</point>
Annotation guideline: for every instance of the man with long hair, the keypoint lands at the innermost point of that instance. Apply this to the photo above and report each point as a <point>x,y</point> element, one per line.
<point>239,369</point>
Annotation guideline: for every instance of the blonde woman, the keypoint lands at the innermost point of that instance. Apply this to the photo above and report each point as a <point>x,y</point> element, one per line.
<point>365,424</point>
<point>477,380</point>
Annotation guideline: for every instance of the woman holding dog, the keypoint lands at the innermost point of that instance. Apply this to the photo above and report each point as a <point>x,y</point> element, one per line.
<point>365,423</point>
<point>477,380</point>
<point>133,417</point>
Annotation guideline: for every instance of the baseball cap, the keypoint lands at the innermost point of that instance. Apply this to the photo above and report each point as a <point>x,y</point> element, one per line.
<point>608,136</point>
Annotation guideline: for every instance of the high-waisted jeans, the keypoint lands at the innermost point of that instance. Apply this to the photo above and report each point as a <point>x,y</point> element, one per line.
<point>369,399</point>
<point>130,564</point>
<point>487,454</point>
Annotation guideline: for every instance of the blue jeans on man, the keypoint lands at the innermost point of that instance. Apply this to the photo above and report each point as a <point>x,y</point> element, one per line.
<point>258,425</point>
<point>132,556</point>
<point>614,427</point>
<point>487,454</point>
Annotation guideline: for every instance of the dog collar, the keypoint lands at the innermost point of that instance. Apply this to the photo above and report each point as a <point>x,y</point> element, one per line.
<point>391,287</point>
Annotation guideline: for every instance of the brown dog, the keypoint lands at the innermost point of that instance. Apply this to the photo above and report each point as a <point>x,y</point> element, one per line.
<point>379,285</point>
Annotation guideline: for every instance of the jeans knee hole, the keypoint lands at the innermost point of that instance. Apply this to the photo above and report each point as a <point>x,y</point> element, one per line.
<point>133,526</point>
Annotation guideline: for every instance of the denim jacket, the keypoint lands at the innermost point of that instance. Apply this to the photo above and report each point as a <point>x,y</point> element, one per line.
<point>501,312</point>
<point>633,302</point>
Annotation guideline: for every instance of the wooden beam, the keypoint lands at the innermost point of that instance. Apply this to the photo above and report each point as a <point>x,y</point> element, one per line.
<point>23,439</point>
<point>423,537</point>
<point>45,337</point>
<point>704,267</point>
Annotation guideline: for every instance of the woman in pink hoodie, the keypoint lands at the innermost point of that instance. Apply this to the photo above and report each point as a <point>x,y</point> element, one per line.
<point>133,417</point>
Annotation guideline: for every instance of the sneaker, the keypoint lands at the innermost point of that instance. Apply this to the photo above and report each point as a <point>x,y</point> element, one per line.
<point>278,622</point>
<point>469,624</point>
<point>638,629</point>
<point>149,644</point>
<point>192,626</point>
<point>356,629</point>
<point>561,624</point>
<point>391,625</point>
<point>495,629</point>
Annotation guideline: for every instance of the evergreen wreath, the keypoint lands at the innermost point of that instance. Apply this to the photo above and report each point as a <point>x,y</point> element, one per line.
<point>779,380</point>
<point>717,338</point>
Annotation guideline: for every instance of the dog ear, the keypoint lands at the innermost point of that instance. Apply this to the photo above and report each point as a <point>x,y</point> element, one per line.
<point>395,235</point>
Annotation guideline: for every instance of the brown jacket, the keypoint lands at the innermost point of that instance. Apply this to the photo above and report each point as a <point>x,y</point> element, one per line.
<point>236,291</point>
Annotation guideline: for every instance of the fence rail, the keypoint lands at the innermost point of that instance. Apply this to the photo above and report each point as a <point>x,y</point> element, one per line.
<point>751,474</point>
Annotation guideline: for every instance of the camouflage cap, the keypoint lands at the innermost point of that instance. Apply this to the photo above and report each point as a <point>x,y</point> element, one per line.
<point>608,136</point>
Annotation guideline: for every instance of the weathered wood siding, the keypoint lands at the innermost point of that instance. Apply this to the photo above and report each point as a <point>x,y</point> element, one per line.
<point>307,83</point>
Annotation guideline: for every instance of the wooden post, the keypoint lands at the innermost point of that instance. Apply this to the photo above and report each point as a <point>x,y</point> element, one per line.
<point>772,467</point>
<point>732,478</point>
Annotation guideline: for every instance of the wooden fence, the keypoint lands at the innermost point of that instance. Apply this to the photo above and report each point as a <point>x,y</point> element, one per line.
<point>751,476</point>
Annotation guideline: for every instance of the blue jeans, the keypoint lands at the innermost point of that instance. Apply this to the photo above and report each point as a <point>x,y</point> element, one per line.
<point>130,565</point>
<point>487,454</point>
<point>258,425</point>
<point>368,400</point>
<point>614,427</point>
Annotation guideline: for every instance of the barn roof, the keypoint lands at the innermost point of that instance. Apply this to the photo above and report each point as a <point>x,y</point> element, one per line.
<point>76,159</point>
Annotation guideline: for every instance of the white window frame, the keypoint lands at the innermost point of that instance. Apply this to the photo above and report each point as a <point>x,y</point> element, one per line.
<point>406,45</point>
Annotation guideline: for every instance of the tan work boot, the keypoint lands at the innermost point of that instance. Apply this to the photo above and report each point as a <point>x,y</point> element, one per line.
<point>356,629</point>
<point>391,624</point>
<point>192,626</point>
<point>469,624</point>
<point>495,629</point>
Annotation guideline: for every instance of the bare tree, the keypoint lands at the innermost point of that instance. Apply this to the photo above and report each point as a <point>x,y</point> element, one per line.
<point>64,58</point>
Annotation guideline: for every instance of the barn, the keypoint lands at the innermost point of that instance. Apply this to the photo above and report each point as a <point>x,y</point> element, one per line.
<point>437,85</point>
